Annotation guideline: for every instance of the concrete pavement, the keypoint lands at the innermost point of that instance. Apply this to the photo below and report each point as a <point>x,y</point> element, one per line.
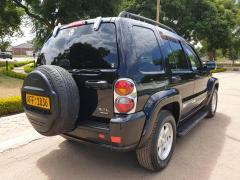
<point>16,131</point>
<point>209,151</point>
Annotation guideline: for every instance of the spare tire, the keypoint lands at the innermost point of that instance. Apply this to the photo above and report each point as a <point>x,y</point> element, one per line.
<point>50,99</point>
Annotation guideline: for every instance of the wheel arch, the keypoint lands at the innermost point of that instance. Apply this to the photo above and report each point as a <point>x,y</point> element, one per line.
<point>168,100</point>
<point>213,84</point>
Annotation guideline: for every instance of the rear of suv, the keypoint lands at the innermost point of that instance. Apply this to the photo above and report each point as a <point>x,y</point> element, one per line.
<point>125,83</point>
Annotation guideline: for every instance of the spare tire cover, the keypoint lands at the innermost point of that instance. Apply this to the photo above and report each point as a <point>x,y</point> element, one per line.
<point>57,85</point>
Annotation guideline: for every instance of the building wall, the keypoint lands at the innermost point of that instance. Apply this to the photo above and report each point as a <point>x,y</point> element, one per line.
<point>21,51</point>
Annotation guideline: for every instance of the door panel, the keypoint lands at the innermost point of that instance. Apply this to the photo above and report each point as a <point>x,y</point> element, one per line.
<point>200,88</point>
<point>180,75</point>
<point>185,86</point>
<point>200,75</point>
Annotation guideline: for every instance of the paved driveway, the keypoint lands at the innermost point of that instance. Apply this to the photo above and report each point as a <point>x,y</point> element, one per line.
<point>209,151</point>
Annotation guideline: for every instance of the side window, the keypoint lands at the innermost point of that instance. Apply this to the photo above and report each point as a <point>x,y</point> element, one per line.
<point>174,55</point>
<point>192,57</point>
<point>149,58</point>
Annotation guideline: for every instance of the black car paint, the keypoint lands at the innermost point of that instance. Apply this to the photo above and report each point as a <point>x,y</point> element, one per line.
<point>154,90</point>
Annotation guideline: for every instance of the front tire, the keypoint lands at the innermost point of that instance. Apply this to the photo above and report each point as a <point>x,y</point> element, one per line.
<point>158,150</point>
<point>212,106</point>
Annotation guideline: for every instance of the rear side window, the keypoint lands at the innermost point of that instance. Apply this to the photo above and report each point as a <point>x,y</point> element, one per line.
<point>174,55</point>
<point>149,58</point>
<point>83,48</point>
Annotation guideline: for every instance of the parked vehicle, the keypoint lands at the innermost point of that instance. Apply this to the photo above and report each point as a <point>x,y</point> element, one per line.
<point>125,83</point>
<point>5,55</point>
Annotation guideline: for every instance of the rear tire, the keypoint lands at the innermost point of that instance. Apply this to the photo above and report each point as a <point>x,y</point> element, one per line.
<point>151,156</point>
<point>212,106</point>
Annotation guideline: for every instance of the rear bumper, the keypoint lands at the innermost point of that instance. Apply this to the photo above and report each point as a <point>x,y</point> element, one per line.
<point>123,133</point>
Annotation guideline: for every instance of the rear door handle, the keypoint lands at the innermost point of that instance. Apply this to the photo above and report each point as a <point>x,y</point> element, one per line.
<point>98,84</point>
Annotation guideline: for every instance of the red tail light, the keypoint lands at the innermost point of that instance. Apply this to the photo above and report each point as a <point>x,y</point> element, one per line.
<point>124,87</point>
<point>124,104</point>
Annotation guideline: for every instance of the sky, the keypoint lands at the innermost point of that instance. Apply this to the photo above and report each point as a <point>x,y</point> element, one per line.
<point>28,35</point>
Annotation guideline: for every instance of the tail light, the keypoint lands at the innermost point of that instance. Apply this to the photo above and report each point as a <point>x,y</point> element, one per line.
<point>123,87</point>
<point>124,104</point>
<point>125,96</point>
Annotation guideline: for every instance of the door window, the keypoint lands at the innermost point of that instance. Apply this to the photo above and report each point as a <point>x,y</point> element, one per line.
<point>174,55</point>
<point>192,57</point>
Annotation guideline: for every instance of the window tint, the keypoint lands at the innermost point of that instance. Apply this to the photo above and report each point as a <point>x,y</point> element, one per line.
<point>174,54</point>
<point>149,58</point>
<point>83,48</point>
<point>176,57</point>
<point>192,57</point>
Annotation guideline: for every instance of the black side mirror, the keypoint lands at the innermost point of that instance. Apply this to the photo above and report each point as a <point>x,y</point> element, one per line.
<point>210,65</point>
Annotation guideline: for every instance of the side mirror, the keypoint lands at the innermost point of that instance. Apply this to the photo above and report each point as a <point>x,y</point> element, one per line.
<point>210,65</point>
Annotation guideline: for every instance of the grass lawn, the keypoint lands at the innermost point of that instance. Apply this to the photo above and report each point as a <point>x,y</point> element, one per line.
<point>9,86</point>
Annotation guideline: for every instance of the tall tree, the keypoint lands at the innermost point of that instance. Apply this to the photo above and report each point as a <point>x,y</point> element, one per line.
<point>10,20</point>
<point>46,14</point>
<point>198,20</point>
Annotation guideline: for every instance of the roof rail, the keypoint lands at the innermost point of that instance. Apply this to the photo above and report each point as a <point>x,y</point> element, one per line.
<point>144,19</point>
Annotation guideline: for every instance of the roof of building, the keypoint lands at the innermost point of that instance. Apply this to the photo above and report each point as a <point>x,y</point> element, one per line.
<point>24,45</point>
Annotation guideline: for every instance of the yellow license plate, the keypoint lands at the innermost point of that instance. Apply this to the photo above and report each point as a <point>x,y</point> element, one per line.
<point>38,101</point>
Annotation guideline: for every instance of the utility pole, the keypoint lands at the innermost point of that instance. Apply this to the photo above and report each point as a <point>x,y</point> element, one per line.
<point>158,11</point>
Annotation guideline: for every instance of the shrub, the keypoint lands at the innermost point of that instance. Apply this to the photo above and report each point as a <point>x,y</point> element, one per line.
<point>29,68</point>
<point>218,70</point>
<point>21,63</point>
<point>10,67</point>
<point>14,63</point>
<point>14,74</point>
<point>10,105</point>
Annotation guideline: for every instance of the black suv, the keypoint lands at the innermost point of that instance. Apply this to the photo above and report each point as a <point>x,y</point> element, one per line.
<point>125,83</point>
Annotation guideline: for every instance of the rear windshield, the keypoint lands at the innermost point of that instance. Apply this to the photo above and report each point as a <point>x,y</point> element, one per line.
<point>83,48</point>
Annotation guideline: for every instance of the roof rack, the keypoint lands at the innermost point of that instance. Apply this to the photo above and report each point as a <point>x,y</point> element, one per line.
<point>144,19</point>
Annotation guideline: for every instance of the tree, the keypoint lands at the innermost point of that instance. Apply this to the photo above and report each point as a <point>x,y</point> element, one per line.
<point>46,14</point>
<point>10,20</point>
<point>196,20</point>
<point>233,52</point>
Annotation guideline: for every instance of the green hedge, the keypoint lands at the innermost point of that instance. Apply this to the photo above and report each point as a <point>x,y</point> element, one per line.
<point>10,105</point>
<point>29,68</point>
<point>218,70</point>
<point>13,74</point>
<point>21,63</point>
<point>15,63</point>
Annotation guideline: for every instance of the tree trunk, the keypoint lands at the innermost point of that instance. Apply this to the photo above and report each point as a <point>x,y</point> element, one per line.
<point>212,55</point>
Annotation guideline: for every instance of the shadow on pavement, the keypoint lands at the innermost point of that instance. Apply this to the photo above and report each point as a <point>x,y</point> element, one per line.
<point>195,157</point>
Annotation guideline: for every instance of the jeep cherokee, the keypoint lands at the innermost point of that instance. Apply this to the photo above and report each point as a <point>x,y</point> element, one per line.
<point>125,83</point>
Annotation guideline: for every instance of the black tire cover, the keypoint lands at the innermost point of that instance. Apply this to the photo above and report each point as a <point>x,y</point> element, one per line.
<point>57,84</point>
